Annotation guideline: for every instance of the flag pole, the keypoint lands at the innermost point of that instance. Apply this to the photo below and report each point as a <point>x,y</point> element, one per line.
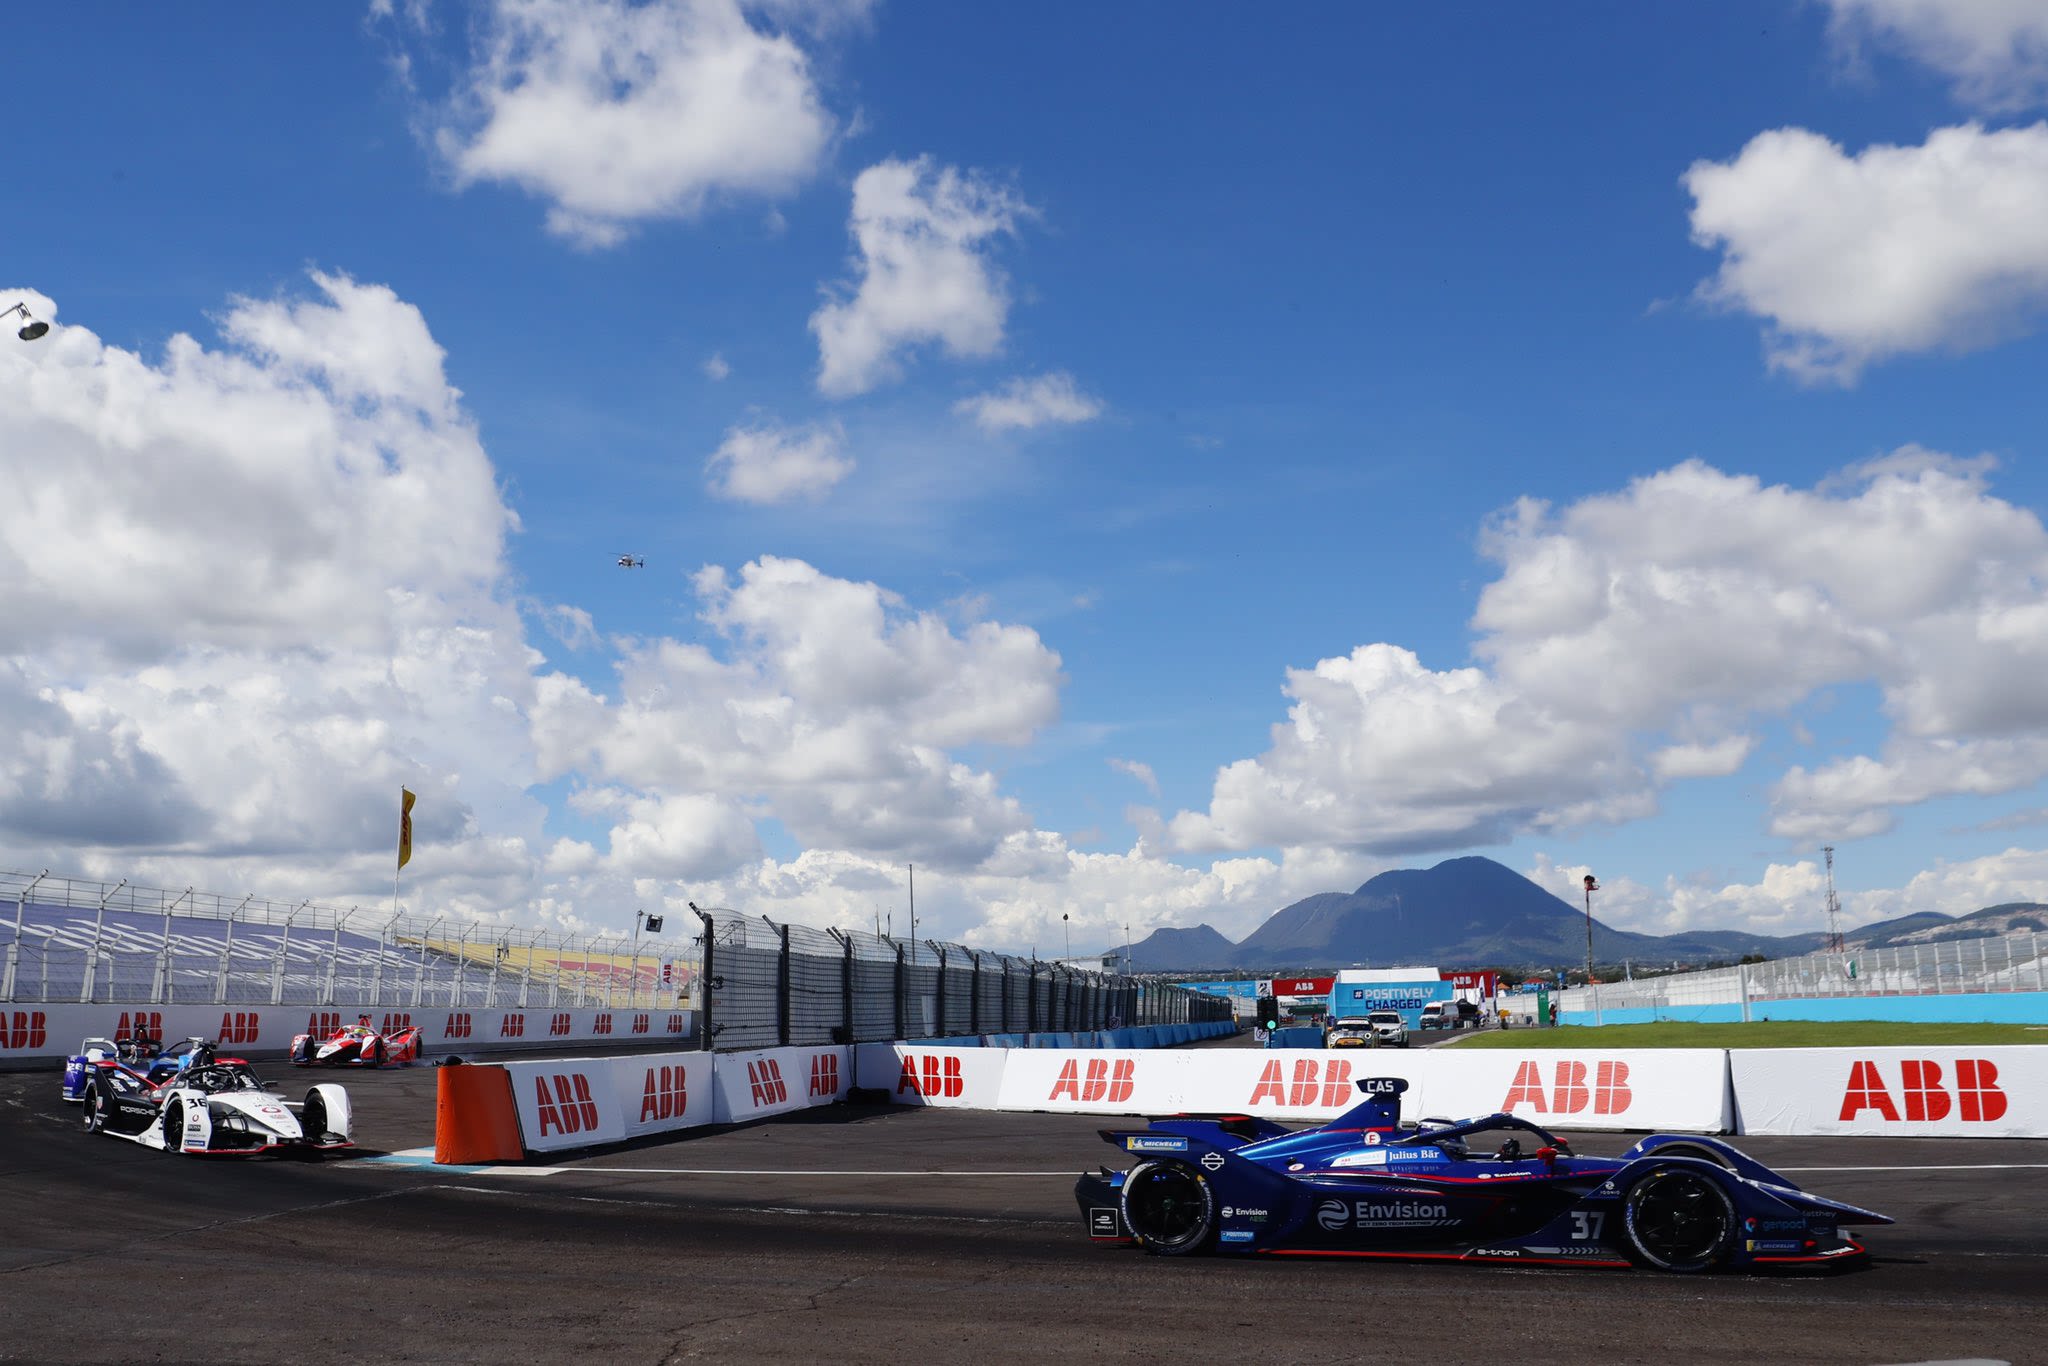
<point>405,801</point>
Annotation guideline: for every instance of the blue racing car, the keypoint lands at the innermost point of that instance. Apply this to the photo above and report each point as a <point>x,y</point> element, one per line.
<point>147,1058</point>
<point>1497,1189</point>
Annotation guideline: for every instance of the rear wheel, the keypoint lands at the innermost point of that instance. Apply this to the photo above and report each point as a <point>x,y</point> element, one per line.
<point>1169,1207</point>
<point>1679,1220</point>
<point>95,1112</point>
<point>174,1125</point>
<point>313,1119</point>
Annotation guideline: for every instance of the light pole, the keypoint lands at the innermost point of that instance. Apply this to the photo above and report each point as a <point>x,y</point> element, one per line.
<point>1069,932</point>
<point>30,327</point>
<point>1592,886</point>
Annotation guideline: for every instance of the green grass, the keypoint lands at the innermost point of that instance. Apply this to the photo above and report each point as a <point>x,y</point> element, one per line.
<point>1759,1034</point>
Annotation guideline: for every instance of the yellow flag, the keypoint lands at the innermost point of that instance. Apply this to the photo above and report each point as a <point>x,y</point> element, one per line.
<point>405,801</point>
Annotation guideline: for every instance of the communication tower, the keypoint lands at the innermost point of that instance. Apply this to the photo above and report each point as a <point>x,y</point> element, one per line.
<point>1834,939</point>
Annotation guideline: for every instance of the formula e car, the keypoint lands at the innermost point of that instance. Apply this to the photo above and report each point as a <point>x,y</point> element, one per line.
<point>1365,1185</point>
<point>218,1109</point>
<point>357,1045</point>
<point>147,1058</point>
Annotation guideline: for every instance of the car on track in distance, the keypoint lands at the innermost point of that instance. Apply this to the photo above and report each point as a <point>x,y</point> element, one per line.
<point>132,1055</point>
<point>1353,1031</point>
<point>357,1045</point>
<point>1493,1189</point>
<point>218,1109</point>
<point>1389,1025</point>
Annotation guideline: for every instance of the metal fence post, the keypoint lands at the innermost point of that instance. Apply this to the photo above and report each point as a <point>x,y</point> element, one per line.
<point>902,989</point>
<point>92,957</point>
<point>781,983</point>
<point>708,981</point>
<point>14,944</point>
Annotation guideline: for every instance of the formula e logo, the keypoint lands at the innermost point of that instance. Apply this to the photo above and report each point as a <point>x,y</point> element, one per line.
<point>1569,1094</point>
<point>640,1023</point>
<point>765,1077</point>
<point>571,1109</point>
<point>1315,1082</point>
<point>825,1075</point>
<point>513,1026</point>
<point>239,1026</point>
<point>665,1094</point>
<point>23,1029</point>
<point>1103,1082</point>
<point>558,1024</point>
<point>602,1024</point>
<point>149,1024</point>
<point>940,1079</point>
<point>458,1026</point>
<point>1978,1097</point>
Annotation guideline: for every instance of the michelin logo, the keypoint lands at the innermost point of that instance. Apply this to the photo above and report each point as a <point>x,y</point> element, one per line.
<point>1335,1214</point>
<point>1156,1145</point>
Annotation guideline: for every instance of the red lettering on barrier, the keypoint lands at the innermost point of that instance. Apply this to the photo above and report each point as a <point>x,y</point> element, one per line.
<point>825,1075</point>
<point>1526,1088</point>
<point>1336,1083</point>
<point>1610,1088</point>
<point>558,1024</point>
<point>512,1027</point>
<point>1315,1082</point>
<point>939,1076</point>
<point>23,1029</point>
<point>764,1075</point>
<point>665,1094</point>
<point>395,1020</point>
<point>1978,1098</point>
<point>640,1023</point>
<point>321,1023</point>
<point>239,1026</point>
<point>148,1024</point>
<point>458,1026</point>
<point>1568,1093</point>
<point>678,1023</point>
<point>602,1024</point>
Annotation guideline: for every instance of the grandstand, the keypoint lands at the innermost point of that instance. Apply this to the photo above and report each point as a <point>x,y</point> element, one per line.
<point>71,940</point>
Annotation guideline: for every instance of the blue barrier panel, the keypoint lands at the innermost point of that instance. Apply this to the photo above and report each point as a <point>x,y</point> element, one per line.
<point>1301,1036</point>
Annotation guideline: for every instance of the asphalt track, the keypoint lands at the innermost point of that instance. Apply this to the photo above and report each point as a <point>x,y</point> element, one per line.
<point>858,1234</point>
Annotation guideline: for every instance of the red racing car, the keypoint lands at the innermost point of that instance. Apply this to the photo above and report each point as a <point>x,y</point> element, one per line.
<point>357,1045</point>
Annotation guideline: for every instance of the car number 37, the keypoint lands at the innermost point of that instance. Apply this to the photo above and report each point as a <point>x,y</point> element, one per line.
<point>1587,1224</point>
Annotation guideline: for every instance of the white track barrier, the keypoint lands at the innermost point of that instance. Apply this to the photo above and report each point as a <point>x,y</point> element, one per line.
<point>53,1032</point>
<point>1605,1089</point>
<point>1911,1092</point>
<point>775,1081</point>
<point>950,1078</point>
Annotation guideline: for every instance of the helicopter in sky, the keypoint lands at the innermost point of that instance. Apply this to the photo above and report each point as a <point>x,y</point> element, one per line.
<point>632,562</point>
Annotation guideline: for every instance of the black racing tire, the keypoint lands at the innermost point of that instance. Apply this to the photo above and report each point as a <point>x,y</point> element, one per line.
<point>174,1125</point>
<point>379,1057</point>
<point>313,1119</point>
<point>1169,1207</point>
<point>1680,1220</point>
<point>95,1110</point>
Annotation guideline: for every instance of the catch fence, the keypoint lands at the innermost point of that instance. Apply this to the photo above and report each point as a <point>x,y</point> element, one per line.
<point>767,985</point>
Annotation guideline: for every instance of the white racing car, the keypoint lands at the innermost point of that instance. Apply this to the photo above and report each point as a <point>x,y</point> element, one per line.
<point>217,1110</point>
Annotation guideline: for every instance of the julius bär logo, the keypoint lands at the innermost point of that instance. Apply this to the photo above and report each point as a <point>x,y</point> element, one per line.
<point>1314,1083</point>
<point>1977,1099</point>
<point>567,1107</point>
<point>1102,1081</point>
<point>458,1026</point>
<point>765,1077</point>
<point>558,1024</point>
<point>513,1026</point>
<point>602,1024</point>
<point>825,1075</point>
<point>323,1022</point>
<point>665,1094</point>
<point>239,1026</point>
<point>941,1076</point>
<point>1569,1094</point>
<point>23,1029</point>
<point>640,1023</point>
<point>148,1024</point>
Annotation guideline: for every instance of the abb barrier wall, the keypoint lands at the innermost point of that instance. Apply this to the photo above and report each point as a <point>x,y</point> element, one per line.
<point>581,1102</point>
<point>37,1035</point>
<point>1908,1092</point>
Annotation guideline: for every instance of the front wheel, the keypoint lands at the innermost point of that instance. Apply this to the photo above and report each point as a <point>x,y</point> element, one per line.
<point>1679,1220</point>
<point>313,1119</point>
<point>174,1125</point>
<point>95,1112</point>
<point>1169,1207</point>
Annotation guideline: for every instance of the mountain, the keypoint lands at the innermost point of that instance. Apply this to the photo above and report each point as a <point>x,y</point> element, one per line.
<point>1469,911</point>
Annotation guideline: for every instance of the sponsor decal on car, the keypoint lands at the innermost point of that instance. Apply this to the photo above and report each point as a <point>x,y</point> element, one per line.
<point>1257,1216</point>
<point>1236,1235</point>
<point>1372,1157</point>
<point>1139,1144</point>
<point>1212,1160</point>
<point>1496,1252</point>
<point>1775,1244</point>
<point>1102,1222</point>
<point>1337,1214</point>
<point>1754,1225</point>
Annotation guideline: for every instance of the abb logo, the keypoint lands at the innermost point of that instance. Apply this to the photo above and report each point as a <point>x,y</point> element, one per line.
<point>665,1094</point>
<point>1569,1094</point>
<point>458,1026</point>
<point>941,1076</point>
<point>678,1023</point>
<point>1314,1083</point>
<point>396,1020</point>
<point>570,1109</point>
<point>765,1076</point>
<point>239,1026</point>
<point>602,1024</point>
<point>640,1024</point>
<point>1101,1082</point>
<point>558,1024</point>
<point>23,1029</point>
<point>1977,1095</point>
<point>514,1027</point>
<point>323,1022</point>
<point>825,1075</point>
<point>144,1023</point>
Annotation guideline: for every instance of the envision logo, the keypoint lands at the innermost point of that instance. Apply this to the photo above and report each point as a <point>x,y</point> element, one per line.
<point>1335,1214</point>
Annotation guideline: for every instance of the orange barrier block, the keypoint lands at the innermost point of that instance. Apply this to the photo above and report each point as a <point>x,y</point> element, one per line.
<point>475,1119</point>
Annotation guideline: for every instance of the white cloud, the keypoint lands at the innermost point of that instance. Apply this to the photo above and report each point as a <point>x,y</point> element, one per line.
<point>1996,51</point>
<point>1631,638</point>
<point>716,368</point>
<point>1142,772</point>
<point>771,464</point>
<point>1893,251</point>
<point>1027,403</point>
<point>922,232</point>
<point>618,113</point>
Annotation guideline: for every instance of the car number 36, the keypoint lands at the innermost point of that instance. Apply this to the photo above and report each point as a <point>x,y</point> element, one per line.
<point>1586,1224</point>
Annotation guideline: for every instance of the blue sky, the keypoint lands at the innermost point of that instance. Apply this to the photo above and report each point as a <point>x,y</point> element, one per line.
<point>1146,463</point>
